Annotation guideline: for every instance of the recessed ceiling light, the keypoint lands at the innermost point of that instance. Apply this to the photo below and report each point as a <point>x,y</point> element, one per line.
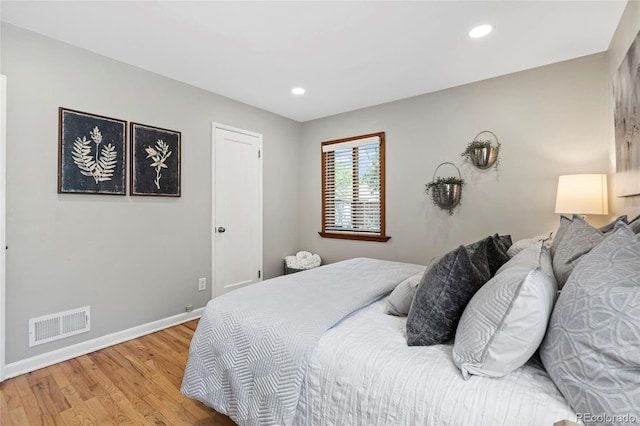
<point>480,31</point>
<point>298,91</point>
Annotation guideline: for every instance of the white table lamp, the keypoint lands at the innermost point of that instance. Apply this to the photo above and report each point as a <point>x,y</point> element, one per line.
<point>582,194</point>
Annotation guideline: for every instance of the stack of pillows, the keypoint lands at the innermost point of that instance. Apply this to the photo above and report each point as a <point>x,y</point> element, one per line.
<point>496,302</point>
<point>592,345</point>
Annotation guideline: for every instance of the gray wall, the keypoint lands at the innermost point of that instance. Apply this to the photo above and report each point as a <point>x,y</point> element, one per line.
<point>132,259</point>
<point>550,121</point>
<point>625,35</point>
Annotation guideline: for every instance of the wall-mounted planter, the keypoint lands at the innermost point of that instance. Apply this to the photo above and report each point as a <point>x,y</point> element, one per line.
<point>482,153</point>
<point>446,192</point>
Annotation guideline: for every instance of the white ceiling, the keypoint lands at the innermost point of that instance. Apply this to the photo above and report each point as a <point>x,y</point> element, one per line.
<point>347,54</point>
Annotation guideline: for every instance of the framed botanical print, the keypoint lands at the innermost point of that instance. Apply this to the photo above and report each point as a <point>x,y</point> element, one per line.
<point>91,153</point>
<point>155,161</point>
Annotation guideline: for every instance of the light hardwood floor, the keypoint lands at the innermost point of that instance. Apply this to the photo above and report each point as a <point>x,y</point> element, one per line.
<point>133,383</point>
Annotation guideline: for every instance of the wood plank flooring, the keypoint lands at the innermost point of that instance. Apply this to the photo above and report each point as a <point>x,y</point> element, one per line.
<point>133,383</point>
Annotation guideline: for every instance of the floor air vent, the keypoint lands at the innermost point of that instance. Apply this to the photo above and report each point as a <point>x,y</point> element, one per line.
<point>56,326</point>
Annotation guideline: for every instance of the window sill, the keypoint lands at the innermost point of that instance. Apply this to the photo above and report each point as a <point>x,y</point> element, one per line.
<point>357,237</point>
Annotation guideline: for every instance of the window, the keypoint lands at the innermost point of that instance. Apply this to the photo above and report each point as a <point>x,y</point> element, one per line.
<point>353,188</point>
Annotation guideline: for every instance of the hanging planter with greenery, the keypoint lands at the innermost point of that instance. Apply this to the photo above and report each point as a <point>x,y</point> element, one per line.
<point>446,192</point>
<point>481,153</point>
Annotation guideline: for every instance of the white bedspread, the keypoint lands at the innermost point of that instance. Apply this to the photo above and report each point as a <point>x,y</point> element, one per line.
<point>363,373</point>
<point>249,353</point>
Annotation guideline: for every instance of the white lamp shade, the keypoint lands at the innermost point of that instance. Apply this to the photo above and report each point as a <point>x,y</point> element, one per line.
<point>582,194</point>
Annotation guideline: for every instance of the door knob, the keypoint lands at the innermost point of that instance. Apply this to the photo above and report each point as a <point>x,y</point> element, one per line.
<point>221,229</point>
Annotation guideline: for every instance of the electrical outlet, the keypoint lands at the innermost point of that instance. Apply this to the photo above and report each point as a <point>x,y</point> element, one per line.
<point>202,284</point>
<point>188,308</point>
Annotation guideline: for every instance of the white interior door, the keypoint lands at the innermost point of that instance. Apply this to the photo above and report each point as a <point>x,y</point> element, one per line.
<point>237,208</point>
<point>3,130</point>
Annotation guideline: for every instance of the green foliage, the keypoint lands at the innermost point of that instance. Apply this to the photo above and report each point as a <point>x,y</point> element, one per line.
<point>354,185</point>
<point>343,175</point>
<point>371,179</point>
<point>479,144</point>
<point>444,180</point>
<point>476,144</point>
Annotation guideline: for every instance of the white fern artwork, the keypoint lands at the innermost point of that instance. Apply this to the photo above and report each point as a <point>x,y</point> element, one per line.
<point>100,166</point>
<point>159,155</point>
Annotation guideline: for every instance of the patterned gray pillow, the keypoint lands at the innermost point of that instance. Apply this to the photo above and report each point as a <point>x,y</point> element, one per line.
<point>444,292</point>
<point>591,347</point>
<point>565,222</point>
<point>577,241</point>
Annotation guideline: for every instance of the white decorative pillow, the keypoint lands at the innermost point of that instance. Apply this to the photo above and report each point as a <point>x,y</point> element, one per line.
<point>399,301</point>
<point>520,245</point>
<point>505,321</point>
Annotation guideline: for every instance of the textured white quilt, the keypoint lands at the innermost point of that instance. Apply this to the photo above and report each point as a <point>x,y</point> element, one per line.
<point>363,373</point>
<point>249,354</point>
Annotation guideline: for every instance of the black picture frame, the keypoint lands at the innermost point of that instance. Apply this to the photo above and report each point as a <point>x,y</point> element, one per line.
<point>91,153</point>
<point>155,161</point>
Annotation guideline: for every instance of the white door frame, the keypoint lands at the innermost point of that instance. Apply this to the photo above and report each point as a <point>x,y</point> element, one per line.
<point>3,187</point>
<point>215,126</point>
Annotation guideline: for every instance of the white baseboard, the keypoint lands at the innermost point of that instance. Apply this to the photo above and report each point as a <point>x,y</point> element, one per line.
<point>63,354</point>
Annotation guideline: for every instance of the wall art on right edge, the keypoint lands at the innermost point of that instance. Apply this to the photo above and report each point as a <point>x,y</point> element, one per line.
<point>155,161</point>
<point>626,93</point>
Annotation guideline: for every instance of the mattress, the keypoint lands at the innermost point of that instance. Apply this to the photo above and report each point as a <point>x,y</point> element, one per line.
<point>363,373</point>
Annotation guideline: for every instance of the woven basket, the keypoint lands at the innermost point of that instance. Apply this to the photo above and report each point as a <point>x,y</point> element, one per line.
<point>288,270</point>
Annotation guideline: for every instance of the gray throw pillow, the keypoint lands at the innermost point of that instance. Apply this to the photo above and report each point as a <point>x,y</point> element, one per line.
<point>505,321</point>
<point>577,241</point>
<point>565,222</point>
<point>497,248</point>
<point>635,225</point>
<point>399,301</point>
<point>591,347</point>
<point>505,240</point>
<point>609,226</point>
<point>444,292</point>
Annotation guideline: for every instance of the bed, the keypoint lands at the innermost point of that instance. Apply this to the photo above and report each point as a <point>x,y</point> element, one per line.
<point>364,362</point>
<point>319,348</point>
